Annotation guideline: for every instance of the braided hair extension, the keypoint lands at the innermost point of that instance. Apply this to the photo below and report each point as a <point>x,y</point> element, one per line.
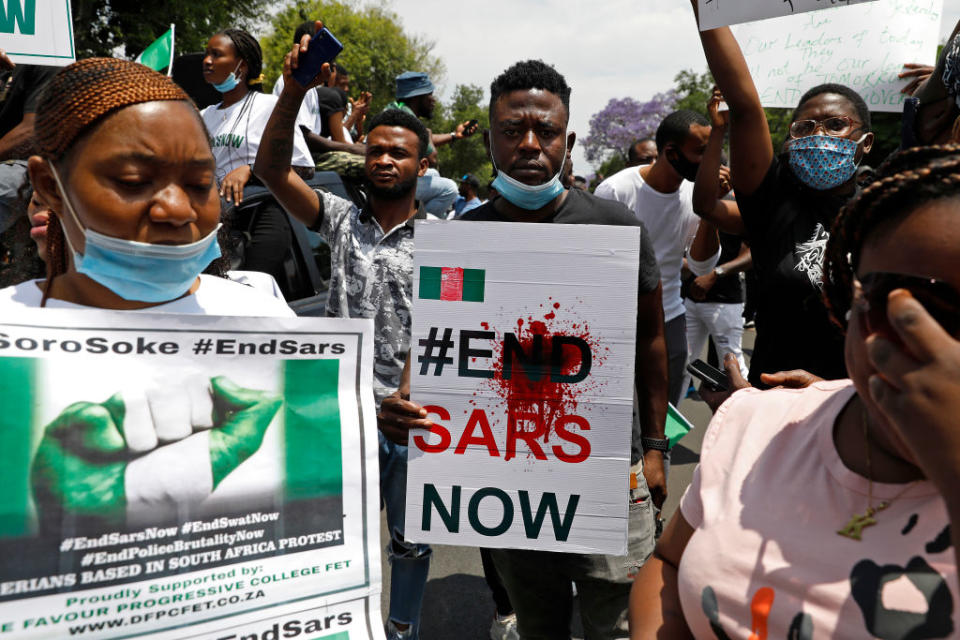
<point>86,91</point>
<point>904,182</point>
<point>248,49</point>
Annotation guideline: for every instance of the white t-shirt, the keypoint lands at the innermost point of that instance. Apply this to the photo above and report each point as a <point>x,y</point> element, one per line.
<point>671,222</point>
<point>235,132</point>
<point>310,109</point>
<point>214,297</point>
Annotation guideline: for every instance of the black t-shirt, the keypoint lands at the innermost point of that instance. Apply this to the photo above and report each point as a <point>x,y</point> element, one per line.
<point>331,100</point>
<point>788,225</point>
<point>22,88</point>
<point>728,289</point>
<point>581,207</point>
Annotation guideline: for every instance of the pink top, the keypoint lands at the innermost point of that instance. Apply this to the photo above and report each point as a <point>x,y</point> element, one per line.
<point>766,500</point>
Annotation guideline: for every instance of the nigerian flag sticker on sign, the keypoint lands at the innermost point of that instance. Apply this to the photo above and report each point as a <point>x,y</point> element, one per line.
<point>452,283</point>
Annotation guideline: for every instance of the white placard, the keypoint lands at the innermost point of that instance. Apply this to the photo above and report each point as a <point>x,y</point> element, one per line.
<point>523,353</point>
<point>862,47</point>
<point>37,31</point>
<point>184,476</point>
<point>720,13</point>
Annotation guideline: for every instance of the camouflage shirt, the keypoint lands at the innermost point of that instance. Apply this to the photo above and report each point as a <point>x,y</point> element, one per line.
<point>371,277</point>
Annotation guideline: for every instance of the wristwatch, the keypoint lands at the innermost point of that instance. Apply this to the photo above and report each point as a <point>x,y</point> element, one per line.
<point>655,444</point>
<point>720,271</point>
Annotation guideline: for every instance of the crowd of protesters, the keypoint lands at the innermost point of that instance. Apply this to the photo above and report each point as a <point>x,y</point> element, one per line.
<point>822,505</point>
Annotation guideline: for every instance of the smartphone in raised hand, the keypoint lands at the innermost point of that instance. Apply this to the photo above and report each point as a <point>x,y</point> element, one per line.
<point>323,47</point>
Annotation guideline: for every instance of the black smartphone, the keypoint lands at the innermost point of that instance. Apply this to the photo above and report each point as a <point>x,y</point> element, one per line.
<point>324,47</point>
<point>713,379</point>
<point>473,123</point>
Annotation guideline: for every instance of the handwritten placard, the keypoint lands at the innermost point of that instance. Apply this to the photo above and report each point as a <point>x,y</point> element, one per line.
<point>720,13</point>
<point>862,47</point>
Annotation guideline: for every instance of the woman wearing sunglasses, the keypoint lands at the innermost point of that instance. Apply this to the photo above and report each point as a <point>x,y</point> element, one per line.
<point>787,203</point>
<point>832,511</point>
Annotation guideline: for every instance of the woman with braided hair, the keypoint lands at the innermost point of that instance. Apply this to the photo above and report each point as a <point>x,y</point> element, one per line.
<point>134,212</point>
<point>828,511</point>
<point>232,64</point>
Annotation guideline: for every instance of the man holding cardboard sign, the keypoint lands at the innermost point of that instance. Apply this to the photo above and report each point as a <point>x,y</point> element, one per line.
<point>528,140</point>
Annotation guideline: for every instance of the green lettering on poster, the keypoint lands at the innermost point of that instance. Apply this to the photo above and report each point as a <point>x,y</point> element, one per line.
<point>22,13</point>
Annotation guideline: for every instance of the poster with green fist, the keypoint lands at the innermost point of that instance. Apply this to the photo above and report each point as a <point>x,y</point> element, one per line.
<point>181,476</point>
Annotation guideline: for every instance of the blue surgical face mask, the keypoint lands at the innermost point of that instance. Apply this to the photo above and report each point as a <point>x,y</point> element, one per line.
<point>139,271</point>
<point>230,83</point>
<point>526,196</point>
<point>823,162</point>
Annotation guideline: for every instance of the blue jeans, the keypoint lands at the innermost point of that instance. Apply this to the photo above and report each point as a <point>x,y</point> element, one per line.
<point>410,562</point>
<point>436,194</point>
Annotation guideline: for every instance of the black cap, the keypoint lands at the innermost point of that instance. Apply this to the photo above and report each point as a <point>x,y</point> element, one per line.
<point>471,180</point>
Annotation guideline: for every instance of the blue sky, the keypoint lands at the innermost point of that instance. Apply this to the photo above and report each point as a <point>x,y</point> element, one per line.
<point>608,49</point>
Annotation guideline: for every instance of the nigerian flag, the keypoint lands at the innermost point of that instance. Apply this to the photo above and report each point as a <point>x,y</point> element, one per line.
<point>159,55</point>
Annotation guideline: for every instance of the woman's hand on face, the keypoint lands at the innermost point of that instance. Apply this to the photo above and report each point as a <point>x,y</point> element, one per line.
<point>231,189</point>
<point>917,386</point>
<point>292,60</point>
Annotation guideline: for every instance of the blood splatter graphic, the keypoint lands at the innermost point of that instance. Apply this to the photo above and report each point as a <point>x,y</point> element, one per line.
<point>540,373</point>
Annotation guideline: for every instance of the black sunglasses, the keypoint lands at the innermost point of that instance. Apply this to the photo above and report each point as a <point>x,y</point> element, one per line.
<point>940,299</point>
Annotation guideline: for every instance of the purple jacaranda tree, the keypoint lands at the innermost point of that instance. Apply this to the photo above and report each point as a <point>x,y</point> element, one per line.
<point>624,121</point>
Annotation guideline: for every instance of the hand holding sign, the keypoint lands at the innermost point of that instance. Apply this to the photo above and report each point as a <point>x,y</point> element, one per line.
<point>96,461</point>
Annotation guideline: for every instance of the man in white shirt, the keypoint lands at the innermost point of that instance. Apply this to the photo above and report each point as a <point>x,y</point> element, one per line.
<point>661,196</point>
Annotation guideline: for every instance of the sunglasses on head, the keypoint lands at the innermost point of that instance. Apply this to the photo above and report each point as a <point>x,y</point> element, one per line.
<point>940,300</point>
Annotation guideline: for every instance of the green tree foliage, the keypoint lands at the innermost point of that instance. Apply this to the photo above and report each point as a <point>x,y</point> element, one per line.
<point>469,155</point>
<point>101,27</point>
<point>376,49</point>
<point>695,90</point>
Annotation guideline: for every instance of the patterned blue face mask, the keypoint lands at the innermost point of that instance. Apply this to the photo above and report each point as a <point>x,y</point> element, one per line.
<point>139,271</point>
<point>823,162</point>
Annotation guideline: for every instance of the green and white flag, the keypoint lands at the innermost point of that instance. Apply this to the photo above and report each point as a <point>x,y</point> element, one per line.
<point>159,55</point>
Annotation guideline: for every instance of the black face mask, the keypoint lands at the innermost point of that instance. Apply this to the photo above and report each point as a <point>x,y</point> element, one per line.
<point>686,169</point>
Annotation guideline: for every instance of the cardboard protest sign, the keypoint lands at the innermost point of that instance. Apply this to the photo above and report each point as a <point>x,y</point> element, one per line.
<point>181,476</point>
<point>523,354</point>
<point>720,13</point>
<point>862,47</point>
<point>37,31</point>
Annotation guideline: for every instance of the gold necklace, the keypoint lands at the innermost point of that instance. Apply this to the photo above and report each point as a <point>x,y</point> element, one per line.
<point>860,521</point>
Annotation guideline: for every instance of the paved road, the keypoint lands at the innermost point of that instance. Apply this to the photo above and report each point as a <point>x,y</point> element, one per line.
<point>457,603</point>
